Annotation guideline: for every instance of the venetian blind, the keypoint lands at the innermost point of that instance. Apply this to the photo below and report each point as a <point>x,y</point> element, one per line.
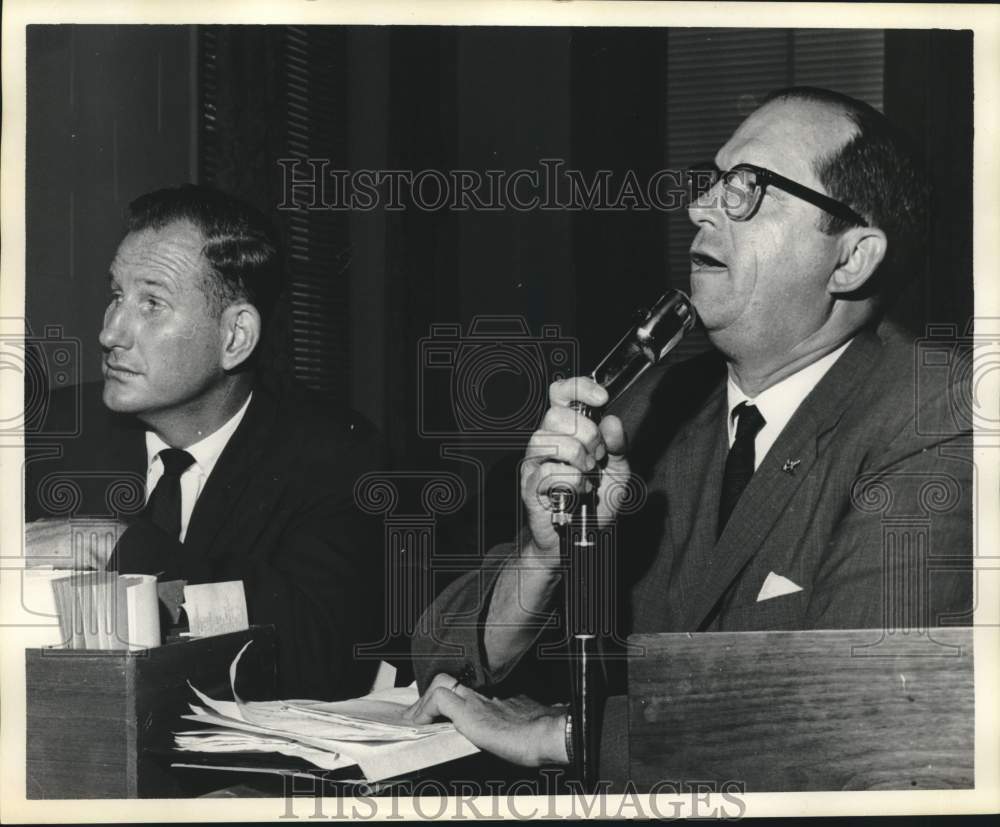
<point>318,252</point>
<point>716,77</point>
<point>269,97</point>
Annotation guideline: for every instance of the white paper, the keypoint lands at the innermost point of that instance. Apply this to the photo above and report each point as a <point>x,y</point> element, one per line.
<point>216,608</point>
<point>143,607</point>
<point>370,731</point>
<point>385,678</point>
<point>229,741</point>
<point>36,614</point>
<point>776,586</point>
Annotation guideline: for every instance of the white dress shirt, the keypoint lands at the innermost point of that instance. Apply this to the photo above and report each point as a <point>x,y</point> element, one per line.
<point>205,452</point>
<point>779,402</point>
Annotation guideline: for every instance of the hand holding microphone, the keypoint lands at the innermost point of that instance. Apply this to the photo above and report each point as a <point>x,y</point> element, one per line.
<point>570,452</point>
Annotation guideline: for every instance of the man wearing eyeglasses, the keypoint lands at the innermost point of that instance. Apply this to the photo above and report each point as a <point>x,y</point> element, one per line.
<point>771,473</point>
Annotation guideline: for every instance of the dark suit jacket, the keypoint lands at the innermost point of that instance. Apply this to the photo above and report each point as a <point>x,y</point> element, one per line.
<point>277,513</point>
<point>881,473</point>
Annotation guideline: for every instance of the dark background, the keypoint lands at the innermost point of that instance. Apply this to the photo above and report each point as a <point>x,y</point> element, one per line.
<point>115,111</point>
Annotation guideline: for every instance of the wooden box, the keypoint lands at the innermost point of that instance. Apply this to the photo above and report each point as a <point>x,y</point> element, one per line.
<point>96,719</point>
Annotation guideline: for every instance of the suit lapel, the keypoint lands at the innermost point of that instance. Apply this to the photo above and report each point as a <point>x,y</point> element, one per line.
<point>771,488</point>
<point>703,446</point>
<point>231,475</point>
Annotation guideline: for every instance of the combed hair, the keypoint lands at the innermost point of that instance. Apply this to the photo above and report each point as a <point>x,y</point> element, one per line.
<point>879,174</point>
<point>240,245</point>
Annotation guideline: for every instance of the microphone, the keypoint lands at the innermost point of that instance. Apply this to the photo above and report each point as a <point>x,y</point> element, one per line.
<point>656,332</point>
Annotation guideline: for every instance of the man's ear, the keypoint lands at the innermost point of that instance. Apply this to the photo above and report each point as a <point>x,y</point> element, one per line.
<point>240,334</point>
<point>862,250</point>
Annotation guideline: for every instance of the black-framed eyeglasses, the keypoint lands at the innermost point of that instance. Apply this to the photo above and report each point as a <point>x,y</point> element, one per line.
<point>743,189</point>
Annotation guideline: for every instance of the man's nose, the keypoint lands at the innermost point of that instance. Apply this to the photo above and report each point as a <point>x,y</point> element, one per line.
<point>114,332</point>
<point>707,207</point>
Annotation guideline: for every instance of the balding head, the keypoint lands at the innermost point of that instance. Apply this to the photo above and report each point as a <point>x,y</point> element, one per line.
<point>876,172</point>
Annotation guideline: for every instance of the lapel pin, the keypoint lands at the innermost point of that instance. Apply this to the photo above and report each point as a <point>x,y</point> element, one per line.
<point>790,465</point>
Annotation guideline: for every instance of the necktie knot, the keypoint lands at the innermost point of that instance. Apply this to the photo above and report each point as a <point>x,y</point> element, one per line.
<point>175,461</point>
<point>164,506</point>
<point>748,421</point>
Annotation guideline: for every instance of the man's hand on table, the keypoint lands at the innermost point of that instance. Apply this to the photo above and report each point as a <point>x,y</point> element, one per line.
<point>518,730</point>
<point>71,543</point>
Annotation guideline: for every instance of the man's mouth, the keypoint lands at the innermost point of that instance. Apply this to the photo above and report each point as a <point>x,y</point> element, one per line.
<point>703,261</point>
<point>119,370</point>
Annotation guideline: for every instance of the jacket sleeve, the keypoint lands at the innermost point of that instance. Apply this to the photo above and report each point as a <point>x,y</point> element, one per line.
<point>449,636</point>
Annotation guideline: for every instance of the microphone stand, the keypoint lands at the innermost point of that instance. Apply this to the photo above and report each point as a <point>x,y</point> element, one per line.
<point>578,545</point>
<point>656,332</point>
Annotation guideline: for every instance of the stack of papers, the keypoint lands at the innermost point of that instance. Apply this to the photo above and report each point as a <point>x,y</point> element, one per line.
<point>105,610</point>
<point>369,732</point>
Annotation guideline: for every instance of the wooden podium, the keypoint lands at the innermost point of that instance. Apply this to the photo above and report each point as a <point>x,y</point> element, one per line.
<point>797,711</point>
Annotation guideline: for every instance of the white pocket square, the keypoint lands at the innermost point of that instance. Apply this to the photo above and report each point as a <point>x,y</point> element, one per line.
<point>775,586</point>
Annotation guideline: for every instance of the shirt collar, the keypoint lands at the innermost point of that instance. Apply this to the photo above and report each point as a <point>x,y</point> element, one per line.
<point>206,450</point>
<point>779,402</point>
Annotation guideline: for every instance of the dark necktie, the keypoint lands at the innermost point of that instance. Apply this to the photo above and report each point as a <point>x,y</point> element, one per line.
<point>740,462</point>
<point>164,506</point>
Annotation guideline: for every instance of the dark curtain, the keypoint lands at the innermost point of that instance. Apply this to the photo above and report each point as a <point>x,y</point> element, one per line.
<point>928,91</point>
